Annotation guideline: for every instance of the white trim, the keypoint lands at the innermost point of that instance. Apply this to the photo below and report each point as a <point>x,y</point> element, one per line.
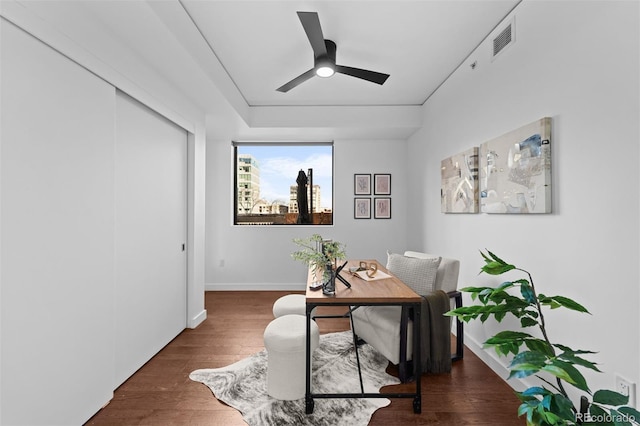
<point>198,319</point>
<point>254,287</point>
<point>196,158</point>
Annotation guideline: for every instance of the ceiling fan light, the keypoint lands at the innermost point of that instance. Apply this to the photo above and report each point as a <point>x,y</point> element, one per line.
<point>324,72</point>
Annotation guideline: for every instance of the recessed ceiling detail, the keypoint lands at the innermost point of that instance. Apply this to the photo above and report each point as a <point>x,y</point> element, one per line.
<point>224,58</point>
<point>262,45</point>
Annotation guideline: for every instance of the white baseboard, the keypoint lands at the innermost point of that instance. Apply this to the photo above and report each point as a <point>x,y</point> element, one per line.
<point>198,319</point>
<point>489,357</point>
<point>254,287</point>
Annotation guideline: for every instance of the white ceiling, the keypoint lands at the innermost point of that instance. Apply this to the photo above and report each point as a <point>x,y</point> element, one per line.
<point>262,45</point>
<point>241,51</point>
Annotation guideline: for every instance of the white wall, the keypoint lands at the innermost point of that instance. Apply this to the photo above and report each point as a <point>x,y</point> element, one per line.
<point>577,62</point>
<point>260,257</point>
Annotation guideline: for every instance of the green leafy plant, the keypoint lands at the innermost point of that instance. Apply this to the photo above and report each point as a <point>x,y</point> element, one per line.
<point>554,364</point>
<point>319,253</point>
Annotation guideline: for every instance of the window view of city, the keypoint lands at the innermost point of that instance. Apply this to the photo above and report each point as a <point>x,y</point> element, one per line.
<point>283,184</point>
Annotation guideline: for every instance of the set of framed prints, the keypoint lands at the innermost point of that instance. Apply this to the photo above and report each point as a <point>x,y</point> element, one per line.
<point>510,174</point>
<point>363,188</point>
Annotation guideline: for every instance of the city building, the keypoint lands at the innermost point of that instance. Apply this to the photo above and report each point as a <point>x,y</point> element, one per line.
<point>315,197</point>
<point>266,207</point>
<point>248,183</point>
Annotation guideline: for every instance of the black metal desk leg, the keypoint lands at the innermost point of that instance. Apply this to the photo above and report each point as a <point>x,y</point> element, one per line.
<point>307,397</point>
<point>355,346</point>
<point>417,358</point>
<point>459,330</point>
<point>403,364</point>
<point>457,296</point>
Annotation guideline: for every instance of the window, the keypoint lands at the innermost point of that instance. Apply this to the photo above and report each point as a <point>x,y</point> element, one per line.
<point>274,181</point>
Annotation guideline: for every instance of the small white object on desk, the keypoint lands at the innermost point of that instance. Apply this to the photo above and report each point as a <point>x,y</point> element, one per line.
<point>379,275</point>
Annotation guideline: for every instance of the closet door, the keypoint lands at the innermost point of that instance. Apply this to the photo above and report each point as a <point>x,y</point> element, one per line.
<point>151,224</point>
<point>56,235</point>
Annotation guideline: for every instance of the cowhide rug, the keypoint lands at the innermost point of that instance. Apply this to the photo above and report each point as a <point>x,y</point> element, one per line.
<point>243,386</point>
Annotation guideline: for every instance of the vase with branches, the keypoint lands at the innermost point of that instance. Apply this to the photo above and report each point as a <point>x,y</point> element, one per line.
<point>555,364</point>
<point>321,255</point>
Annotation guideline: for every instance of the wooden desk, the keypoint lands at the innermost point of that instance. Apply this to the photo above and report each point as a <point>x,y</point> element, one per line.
<point>388,291</point>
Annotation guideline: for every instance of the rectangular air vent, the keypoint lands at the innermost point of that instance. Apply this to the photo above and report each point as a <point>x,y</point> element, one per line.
<point>504,39</point>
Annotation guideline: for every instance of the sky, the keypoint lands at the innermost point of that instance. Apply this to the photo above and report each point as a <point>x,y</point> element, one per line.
<point>280,164</point>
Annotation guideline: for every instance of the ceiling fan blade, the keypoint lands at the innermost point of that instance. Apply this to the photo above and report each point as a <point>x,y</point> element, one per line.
<point>311,25</point>
<point>296,81</point>
<point>372,76</point>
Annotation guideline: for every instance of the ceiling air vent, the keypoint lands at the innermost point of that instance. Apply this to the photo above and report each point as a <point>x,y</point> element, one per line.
<point>504,39</point>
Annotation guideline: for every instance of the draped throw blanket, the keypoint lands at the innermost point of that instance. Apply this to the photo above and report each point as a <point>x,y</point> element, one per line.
<point>435,333</point>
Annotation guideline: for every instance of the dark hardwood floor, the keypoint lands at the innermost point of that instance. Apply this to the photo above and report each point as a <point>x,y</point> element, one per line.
<point>160,393</point>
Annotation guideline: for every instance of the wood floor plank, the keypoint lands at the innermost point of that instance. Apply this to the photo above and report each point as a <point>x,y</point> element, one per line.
<point>160,393</point>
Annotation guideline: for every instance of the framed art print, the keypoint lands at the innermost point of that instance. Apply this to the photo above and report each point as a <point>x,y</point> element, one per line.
<point>459,183</point>
<point>382,184</point>
<point>515,171</point>
<point>362,184</point>
<point>382,208</point>
<point>362,208</point>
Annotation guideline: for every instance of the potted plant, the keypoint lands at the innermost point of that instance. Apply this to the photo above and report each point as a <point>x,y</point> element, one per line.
<point>553,363</point>
<point>321,256</point>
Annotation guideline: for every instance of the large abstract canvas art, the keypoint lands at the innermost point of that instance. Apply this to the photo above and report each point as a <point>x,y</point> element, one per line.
<point>515,170</point>
<point>459,183</point>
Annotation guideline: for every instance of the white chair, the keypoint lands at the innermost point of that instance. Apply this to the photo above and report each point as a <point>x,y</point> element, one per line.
<point>382,326</point>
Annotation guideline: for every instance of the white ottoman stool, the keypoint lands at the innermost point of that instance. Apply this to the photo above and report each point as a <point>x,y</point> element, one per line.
<point>285,341</point>
<point>291,304</point>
